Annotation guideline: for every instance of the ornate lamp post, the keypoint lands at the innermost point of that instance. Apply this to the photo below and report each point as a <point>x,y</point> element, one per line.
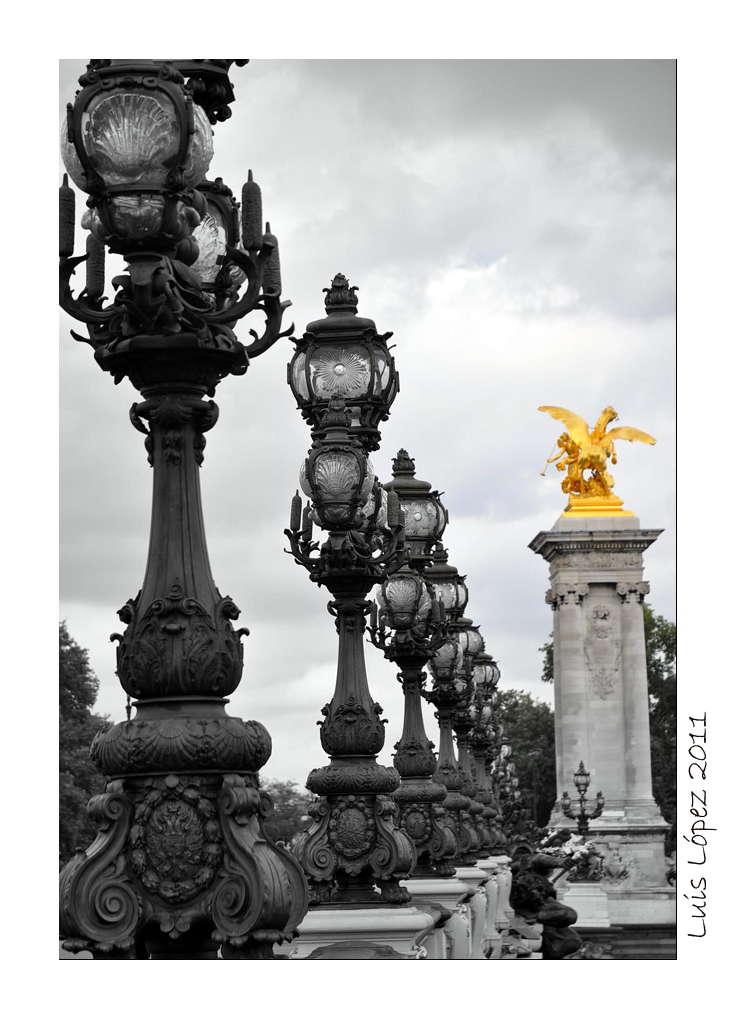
<point>181,867</point>
<point>463,723</point>
<point>486,675</point>
<point>345,382</point>
<point>408,629</point>
<point>449,688</point>
<point>402,629</point>
<point>581,778</point>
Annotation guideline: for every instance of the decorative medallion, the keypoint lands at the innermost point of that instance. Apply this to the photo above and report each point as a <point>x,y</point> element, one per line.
<point>352,827</point>
<point>341,373</point>
<point>176,842</point>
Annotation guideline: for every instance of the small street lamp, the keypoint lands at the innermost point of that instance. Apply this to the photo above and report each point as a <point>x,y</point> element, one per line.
<point>581,778</point>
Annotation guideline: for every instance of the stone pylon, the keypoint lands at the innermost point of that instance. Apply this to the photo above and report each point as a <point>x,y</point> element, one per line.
<point>601,701</point>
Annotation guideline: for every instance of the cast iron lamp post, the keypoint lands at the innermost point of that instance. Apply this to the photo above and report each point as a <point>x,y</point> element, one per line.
<point>408,629</point>
<point>486,675</point>
<point>451,690</point>
<point>181,867</point>
<point>463,723</point>
<point>403,629</point>
<point>342,366</point>
<point>581,778</point>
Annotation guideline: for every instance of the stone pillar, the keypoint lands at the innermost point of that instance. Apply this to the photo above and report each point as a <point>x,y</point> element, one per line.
<point>601,701</point>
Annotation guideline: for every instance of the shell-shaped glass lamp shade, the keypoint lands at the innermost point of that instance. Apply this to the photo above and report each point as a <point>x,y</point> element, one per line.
<point>336,476</point>
<point>332,482</point>
<point>132,139</point>
<point>404,600</point>
<point>211,239</point>
<point>447,660</point>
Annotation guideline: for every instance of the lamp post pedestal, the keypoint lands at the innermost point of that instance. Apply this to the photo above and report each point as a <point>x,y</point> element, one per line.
<point>453,940</point>
<point>492,937</point>
<point>476,879</point>
<point>404,929</point>
<point>181,867</point>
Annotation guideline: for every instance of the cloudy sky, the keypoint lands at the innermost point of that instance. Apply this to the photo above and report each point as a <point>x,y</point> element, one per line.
<point>512,222</point>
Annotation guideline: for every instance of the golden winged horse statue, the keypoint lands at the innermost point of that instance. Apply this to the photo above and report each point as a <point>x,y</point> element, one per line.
<point>584,450</point>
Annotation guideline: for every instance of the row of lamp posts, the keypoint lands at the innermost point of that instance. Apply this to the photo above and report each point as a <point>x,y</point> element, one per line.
<point>182,867</point>
<point>377,827</point>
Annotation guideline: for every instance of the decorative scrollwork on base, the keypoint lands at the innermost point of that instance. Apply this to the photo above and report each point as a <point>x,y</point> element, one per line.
<point>355,838</point>
<point>181,854</point>
<point>98,902</point>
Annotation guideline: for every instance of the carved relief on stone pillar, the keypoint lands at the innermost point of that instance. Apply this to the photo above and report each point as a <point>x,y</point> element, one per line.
<point>636,591</point>
<point>599,559</point>
<point>602,648</point>
<point>566,594</point>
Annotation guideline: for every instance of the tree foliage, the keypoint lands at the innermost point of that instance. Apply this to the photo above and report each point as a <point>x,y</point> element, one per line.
<point>290,802</point>
<point>548,661</point>
<point>79,779</point>
<point>529,728</point>
<point>660,637</point>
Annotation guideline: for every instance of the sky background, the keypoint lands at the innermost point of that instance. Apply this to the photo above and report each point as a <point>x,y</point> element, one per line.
<point>513,224</point>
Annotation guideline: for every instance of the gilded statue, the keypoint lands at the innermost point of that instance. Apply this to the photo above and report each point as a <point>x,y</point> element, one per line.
<point>582,450</point>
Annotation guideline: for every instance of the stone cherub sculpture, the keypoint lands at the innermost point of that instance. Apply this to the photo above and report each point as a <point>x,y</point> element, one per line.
<point>584,450</point>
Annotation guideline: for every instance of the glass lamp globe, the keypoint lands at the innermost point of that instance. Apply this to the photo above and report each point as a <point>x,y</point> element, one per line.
<point>343,356</point>
<point>404,600</point>
<point>425,518</point>
<point>447,660</point>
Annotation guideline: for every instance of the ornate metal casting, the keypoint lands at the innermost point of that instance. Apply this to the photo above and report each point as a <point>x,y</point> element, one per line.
<point>354,845</point>
<point>181,867</point>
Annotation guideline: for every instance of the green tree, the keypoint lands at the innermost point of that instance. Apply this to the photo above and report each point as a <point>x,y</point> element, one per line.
<point>548,662</point>
<point>290,802</point>
<point>660,637</point>
<point>529,728</point>
<point>79,779</point>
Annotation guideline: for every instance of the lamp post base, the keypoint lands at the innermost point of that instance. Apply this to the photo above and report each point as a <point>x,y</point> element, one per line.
<point>402,928</point>
<point>453,939</point>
